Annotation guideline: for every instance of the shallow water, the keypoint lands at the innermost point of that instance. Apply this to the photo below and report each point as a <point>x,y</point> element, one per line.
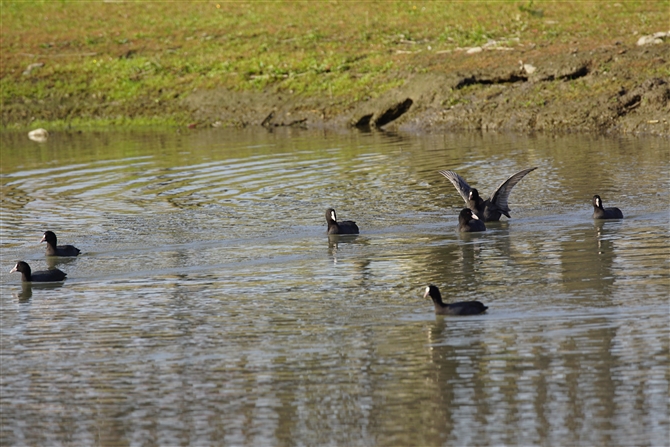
<point>209,307</point>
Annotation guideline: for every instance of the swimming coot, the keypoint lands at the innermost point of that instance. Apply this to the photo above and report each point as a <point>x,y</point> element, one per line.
<point>492,208</point>
<point>468,222</point>
<point>58,250</point>
<point>459,308</point>
<point>27,275</point>
<point>604,213</point>
<point>335,227</point>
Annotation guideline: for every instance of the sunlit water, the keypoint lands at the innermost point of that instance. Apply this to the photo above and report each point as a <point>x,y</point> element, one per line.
<point>210,308</point>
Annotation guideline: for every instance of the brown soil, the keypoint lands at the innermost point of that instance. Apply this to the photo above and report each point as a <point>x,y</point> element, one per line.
<point>569,91</point>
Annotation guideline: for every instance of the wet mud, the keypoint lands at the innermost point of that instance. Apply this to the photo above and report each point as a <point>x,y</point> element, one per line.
<point>596,91</point>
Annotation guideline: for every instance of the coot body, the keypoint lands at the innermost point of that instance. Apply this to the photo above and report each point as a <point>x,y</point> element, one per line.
<point>53,249</point>
<point>458,308</point>
<point>335,227</point>
<point>605,213</point>
<point>468,222</point>
<point>27,275</point>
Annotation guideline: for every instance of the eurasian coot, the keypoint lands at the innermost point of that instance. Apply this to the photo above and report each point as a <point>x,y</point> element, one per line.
<point>492,208</point>
<point>53,249</point>
<point>604,213</point>
<point>468,222</point>
<point>27,275</point>
<point>335,227</point>
<point>459,308</point>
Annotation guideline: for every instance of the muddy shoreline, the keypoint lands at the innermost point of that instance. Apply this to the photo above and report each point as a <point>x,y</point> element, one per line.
<point>596,91</point>
<point>609,89</point>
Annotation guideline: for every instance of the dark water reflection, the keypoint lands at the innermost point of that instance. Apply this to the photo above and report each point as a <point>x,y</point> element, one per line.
<point>210,308</point>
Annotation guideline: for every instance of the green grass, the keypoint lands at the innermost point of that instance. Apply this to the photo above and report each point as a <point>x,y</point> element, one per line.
<point>136,60</point>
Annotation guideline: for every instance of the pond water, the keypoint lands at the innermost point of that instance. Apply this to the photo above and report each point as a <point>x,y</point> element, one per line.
<point>210,308</point>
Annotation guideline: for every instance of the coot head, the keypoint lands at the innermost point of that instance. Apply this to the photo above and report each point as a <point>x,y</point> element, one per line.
<point>22,267</point>
<point>466,215</point>
<point>474,194</point>
<point>597,201</point>
<point>330,215</point>
<point>468,222</point>
<point>50,238</point>
<point>434,293</point>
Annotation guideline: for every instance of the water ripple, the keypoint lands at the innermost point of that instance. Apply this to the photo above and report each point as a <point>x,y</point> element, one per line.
<point>209,305</point>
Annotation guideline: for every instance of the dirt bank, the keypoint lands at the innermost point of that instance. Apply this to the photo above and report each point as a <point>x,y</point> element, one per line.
<point>559,89</point>
<point>417,66</point>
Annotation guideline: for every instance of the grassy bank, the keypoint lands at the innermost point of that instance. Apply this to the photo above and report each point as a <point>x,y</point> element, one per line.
<point>87,63</point>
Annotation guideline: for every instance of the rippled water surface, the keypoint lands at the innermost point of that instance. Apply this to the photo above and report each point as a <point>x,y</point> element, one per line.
<point>209,307</point>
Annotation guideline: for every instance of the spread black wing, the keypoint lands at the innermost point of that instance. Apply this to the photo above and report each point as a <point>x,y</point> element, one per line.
<point>460,184</point>
<point>502,192</point>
